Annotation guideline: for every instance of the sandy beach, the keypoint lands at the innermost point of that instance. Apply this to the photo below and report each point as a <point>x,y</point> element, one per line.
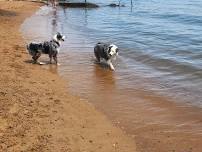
<point>36,111</point>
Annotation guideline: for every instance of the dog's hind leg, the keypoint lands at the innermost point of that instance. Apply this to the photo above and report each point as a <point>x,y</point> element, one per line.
<point>36,56</point>
<point>97,55</point>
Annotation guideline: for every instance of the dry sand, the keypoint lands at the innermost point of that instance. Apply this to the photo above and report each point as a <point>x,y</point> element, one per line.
<point>36,111</point>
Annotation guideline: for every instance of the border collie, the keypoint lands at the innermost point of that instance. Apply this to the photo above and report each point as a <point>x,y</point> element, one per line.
<point>51,48</point>
<point>107,52</point>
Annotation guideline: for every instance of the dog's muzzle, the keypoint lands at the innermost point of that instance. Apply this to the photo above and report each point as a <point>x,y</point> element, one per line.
<point>63,38</point>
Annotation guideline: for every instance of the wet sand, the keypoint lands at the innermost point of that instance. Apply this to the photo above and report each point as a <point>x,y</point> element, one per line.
<point>36,111</point>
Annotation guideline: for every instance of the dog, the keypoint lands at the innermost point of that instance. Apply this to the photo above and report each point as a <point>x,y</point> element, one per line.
<point>51,48</point>
<point>107,52</point>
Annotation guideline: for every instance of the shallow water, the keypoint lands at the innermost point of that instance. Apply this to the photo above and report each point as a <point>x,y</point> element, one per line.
<point>160,55</point>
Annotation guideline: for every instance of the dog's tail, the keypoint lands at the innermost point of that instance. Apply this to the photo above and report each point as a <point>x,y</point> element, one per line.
<point>29,50</point>
<point>27,46</point>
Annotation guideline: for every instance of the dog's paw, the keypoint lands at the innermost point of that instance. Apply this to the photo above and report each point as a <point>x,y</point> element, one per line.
<point>113,69</point>
<point>35,62</point>
<point>41,63</point>
<point>58,64</point>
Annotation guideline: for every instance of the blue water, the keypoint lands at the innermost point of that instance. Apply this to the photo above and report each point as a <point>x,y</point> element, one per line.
<point>160,44</point>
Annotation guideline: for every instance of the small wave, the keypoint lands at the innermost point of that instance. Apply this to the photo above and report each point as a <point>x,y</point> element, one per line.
<point>181,18</point>
<point>163,63</point>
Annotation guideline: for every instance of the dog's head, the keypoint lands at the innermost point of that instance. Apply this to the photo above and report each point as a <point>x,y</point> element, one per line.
<point>113,50</point>
<point>59,37</point>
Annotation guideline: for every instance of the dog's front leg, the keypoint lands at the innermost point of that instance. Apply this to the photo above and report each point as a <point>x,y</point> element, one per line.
<point>55,59</point>
<point>110,64</point>
<point>50,56</point>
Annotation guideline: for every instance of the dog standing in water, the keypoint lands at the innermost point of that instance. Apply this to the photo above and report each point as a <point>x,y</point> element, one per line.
<point>48,47</point>
<point>107,52</point>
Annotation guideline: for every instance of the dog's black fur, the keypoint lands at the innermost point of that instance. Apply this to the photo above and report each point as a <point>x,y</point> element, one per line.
<point>48,47</point>
<point>101,51</point>
<point>106,51</point>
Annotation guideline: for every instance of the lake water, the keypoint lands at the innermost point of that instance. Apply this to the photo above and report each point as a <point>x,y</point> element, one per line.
<point>160,54</point>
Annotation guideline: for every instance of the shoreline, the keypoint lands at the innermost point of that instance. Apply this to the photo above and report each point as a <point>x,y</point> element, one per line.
<point>36,111</point>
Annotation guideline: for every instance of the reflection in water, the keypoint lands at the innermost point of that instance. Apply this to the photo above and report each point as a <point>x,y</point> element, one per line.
<point>53,68</point>
<point>86,17</point>
<point>54,21</point>
<point>104,78</point>
<point>83,15</point>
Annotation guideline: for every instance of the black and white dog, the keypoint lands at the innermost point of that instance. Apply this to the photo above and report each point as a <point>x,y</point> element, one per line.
<point>107,52</point>
<point>48,47</point>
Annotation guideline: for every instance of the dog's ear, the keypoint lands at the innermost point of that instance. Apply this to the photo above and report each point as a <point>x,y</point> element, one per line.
<point>109,49</point>
<point>59,36</point>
